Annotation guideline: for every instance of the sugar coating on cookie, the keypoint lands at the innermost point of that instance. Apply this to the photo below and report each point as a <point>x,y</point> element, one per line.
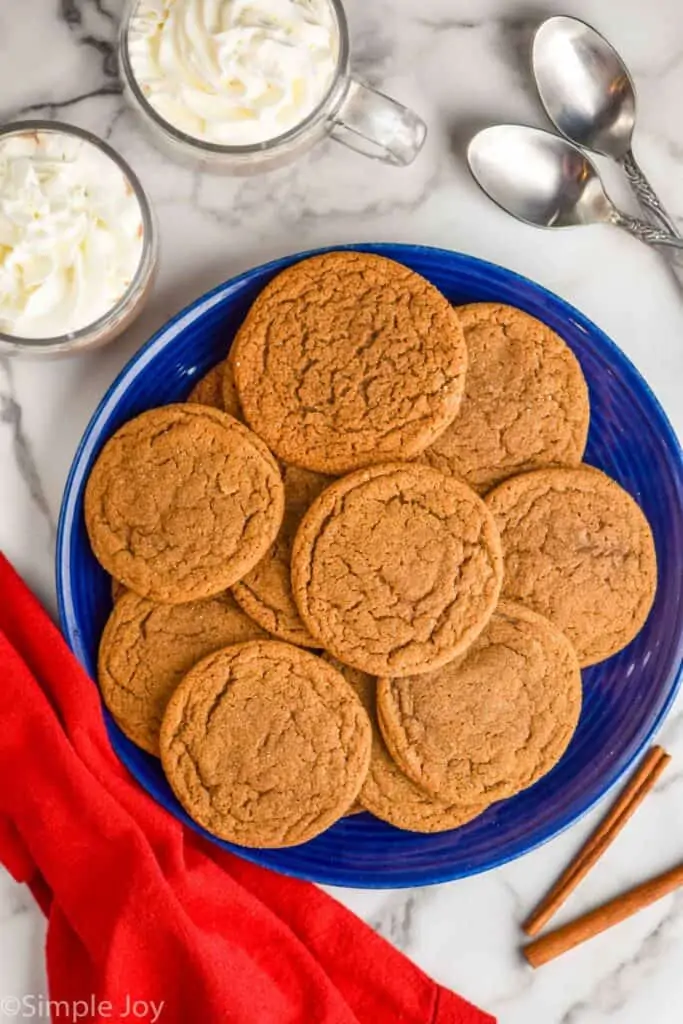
<point>182,502</point>
<point>490,723</point>
<point>525,404</point>
<point>387,792</point>
<point>265,592</point>
<point>264,744</point>
<point>147,648</point>
<point>396,569</point>
<point>579,550</point>
<point>349,359</point>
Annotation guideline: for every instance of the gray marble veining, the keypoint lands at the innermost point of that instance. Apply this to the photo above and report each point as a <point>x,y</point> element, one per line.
<point>11,420</point>
<point>462,64</point>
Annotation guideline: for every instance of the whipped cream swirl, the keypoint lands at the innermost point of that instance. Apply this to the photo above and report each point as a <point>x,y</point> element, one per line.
<point>71,234</point>
<point>233,72</point>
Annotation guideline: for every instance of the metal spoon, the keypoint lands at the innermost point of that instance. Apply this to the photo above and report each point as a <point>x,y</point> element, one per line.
<point>544,180</point>
<point>589,95</point>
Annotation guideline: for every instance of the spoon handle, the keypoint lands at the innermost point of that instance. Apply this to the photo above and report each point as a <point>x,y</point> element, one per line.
<point>666,244</point>
<point>648,233</point>
<point>647,197</point>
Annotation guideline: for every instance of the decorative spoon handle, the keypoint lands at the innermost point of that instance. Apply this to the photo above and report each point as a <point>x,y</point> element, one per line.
<point>647,197</point>
<point>648,233</point>
<point>667,245</point>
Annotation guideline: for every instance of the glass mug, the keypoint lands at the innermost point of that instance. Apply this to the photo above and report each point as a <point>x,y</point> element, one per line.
<point>351,112</point>
<point>130,304</point>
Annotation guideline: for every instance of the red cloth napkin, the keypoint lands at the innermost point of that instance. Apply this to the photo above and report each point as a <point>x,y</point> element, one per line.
<point>146,920</point>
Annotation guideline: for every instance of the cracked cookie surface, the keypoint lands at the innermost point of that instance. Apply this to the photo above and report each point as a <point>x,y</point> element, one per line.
<point>182,502</point>
<point>265,592</point>
<point>579,550</point>
<point>264,744</point>
<point>387,792</point>
<point>147,648</point>
<point>492,723</point>
<point>396,569</point>
<point>525,404</point>
<point>347,360</point>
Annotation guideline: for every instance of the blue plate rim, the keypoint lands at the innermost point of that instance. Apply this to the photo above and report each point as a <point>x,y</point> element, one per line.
<point>165,334</point>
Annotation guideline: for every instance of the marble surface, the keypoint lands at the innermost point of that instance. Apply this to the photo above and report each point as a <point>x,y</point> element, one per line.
<point>461,64</point>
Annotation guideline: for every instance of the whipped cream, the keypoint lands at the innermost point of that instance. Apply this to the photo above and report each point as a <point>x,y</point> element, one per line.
<point>71,234</point>
<point>233,72</point>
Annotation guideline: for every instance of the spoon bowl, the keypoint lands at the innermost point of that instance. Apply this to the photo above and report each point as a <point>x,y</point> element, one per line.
<point>590,97</point>
<point>544,180</point>
<point>585,86</point>
<point>538,177</point>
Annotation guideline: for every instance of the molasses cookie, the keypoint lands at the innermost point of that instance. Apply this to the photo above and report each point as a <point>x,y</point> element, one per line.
<point>182,502</point>
<point>147,648</point>
<point>231,402</point>
<point>579,550</point>
<point>525,404</point>
<point>492,723</point>
<point>355,808</point>
<point>396,569</point>
<point>265,593</point>
<point>265,744</point>
<point>209,390</point>
<point>349,359</point>
<point>217,389</point>
<point>387,792</point>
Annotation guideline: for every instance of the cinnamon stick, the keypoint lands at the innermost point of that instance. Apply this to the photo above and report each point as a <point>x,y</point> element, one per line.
<point>640,784</point>
<point>586,927</point>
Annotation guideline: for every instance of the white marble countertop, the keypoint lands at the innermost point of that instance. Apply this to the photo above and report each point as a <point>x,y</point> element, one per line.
<point>461,64</point>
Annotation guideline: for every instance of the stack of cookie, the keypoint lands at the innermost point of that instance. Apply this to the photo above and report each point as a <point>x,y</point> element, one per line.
<point>363,564</point>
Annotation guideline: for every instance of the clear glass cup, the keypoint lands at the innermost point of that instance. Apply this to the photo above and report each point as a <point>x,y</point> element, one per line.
<point>122,314</point>
<point>353,113</point>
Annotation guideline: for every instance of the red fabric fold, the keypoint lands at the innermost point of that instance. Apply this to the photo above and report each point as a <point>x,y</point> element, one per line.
<point>141,909</point>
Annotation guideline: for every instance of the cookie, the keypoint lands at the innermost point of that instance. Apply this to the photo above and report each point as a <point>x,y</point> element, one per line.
<point>525,404</point>
<point>492,723</point>
<point>209,389</point>
<point>349,359</point>
<point>117,590</point>
<point>231,401</point>
<point>265,593</point>
<point>396,569</point>
<point>387,792</point>
<point>355,808</point>
<point>217,389</point>
<point>182,502</point>
<point>265,744</point>
<point>147,648</point>
<point>579,550</point>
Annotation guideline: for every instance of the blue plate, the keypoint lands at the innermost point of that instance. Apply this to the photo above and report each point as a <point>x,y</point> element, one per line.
<point>626,698</point>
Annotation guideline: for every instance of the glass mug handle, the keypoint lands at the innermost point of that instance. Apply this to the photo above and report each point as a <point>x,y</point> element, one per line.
<point>377,126</point>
